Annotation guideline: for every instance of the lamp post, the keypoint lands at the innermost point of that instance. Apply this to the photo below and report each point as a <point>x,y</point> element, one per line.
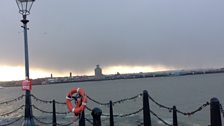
<point>24,9</point>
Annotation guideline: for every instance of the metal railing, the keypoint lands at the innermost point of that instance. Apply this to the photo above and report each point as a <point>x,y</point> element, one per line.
<point>216,110</point>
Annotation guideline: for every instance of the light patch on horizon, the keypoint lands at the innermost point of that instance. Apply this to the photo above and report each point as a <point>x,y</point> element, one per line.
<point>10,73</point>
<point>134,69</point>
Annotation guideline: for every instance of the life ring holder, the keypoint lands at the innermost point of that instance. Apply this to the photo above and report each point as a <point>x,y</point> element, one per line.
<point>80,104</point>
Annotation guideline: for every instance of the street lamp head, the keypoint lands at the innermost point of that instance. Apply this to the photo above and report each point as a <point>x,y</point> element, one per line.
<point>24,6</point>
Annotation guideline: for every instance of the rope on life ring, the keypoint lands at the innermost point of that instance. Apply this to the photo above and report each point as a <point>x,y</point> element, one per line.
<point>80,104</point>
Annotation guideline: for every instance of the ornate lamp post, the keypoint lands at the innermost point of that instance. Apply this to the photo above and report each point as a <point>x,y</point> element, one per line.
<point>24,9</point>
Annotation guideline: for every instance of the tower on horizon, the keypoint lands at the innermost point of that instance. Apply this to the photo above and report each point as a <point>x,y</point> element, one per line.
<point>98,72</point>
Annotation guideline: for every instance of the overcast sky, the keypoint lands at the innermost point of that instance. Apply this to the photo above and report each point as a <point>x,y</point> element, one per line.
<point>75,35</point>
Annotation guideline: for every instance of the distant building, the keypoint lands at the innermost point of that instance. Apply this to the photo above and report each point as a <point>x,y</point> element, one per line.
<point>98,72</point>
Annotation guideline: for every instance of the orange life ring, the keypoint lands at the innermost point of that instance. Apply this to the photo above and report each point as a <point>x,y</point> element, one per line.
<point>81,104</point>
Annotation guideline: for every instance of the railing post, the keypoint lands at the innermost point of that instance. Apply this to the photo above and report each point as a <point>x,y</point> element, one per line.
<point>54,114</point>
<point>82,119</point>
<point>96,113</point>
<point>215,114</point>
<point>146,109</point>
<point>111,114</point>
<point>175,123</point>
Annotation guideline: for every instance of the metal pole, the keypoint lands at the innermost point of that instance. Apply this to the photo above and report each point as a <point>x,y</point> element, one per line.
<point>111,114</point>
<point>82,119</point>
<point>215,114</point>
<point>96,113</point>
<point>54,114</point>
<point>28,108</point>
<point>146,109</point>
<point>175,116</point>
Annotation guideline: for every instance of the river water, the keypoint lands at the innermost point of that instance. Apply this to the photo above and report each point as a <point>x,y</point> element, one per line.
<point>187,93</point>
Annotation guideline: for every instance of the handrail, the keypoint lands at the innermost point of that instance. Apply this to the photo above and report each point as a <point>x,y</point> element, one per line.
<point>107,104</point>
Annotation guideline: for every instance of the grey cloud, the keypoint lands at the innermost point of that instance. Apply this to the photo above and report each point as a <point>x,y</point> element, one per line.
<point>77,35</point>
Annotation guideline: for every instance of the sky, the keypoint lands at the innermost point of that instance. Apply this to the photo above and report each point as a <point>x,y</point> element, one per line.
<point>126,36</point>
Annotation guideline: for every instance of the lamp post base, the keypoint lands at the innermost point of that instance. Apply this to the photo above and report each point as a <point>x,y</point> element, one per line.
<point>28,122</point>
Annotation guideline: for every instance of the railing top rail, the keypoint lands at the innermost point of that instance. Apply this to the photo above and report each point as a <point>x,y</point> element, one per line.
<point>170,109</point>
<point>115,102</point>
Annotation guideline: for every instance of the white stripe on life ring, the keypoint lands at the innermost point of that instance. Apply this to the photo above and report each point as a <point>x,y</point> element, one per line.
<point>78,90</point>
<point>68,98</point>
<point>73,110</point>
<point>84,103</point>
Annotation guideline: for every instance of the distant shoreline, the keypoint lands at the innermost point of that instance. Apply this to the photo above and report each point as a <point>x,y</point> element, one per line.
<point>61,80</point>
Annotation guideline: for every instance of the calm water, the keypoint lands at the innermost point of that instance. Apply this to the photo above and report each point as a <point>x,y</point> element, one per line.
<point>186,92</point>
